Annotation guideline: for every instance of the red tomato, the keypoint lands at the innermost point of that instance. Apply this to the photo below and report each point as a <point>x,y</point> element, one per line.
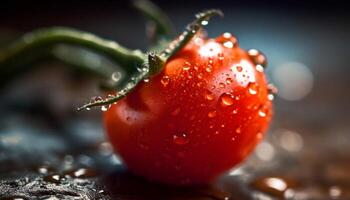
<point>202,115</point>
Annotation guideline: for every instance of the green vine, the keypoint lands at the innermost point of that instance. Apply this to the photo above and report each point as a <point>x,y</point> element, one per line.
<point>45,43</point>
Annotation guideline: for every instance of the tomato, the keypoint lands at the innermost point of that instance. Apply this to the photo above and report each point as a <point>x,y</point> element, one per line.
<point>202,115</point>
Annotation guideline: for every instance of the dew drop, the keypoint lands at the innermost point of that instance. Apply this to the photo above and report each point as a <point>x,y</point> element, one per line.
<point>253,88</point>
<point>54,178</point>
<point>228,44</point>
<point>270,97</point>
<point>204,22</point>
<point>238,130</point>
<point>209,95</point>
<point>180,139</point>
<point>227,39</point>
<point>226,99</point>
<point>165,80</point>
<point>259,68</point>
<point>257,57</point>
<point>104,108</point>
<point>116,76</point>
<point>229,80</point>
<point>262,112</point>
<point>212,114</point>
<point>221,85</point>
<point>208,68</point>
<point>146,80</point>
<point>235,111</point>
<point>82,173</point>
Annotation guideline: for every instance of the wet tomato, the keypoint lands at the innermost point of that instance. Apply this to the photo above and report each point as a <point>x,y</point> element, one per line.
<point>202,115</point>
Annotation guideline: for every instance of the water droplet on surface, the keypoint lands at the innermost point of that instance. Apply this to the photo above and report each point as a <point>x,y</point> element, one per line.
<point>334,192</point>
<point>253,88</point>
<point>146,80</point>
<point>54,178</point>
<point>221,85</point>
<point>82,173</point>
<point>181,138</point>
<point>212,114</point>
<point>209,95</point>
<point>239,68</point>
<point>275,186</point>
<point>165,80</point>
<point>226,99</point>
<point>257,57</point>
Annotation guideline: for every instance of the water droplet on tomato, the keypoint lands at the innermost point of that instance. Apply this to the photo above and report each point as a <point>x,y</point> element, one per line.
<point>208,68</point>
<point>229,80</point>
<point>253,88</point>
<point>209,95</point>
<point>165,80</point>
<point>200,76</point>
<point>235,111</point>
<point>238,130</point>
<point>228,44</point>
<point>262,112</point>
<point>212,114</point>
<point>259,68</point>
<point>257,57</point>
<point>105,107</point>
<point>180,138</point>
<point>270,97</point>
<point>221,85</point>
<point>146,80</point>
<point>226,99</point>
<point>227,39</point>
<point>239,68</point>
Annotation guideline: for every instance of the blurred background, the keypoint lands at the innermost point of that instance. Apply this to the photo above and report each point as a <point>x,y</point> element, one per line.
<point>304,156</point>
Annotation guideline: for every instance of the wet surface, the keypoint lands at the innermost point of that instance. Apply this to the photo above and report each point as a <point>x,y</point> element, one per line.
<point>50,153</point>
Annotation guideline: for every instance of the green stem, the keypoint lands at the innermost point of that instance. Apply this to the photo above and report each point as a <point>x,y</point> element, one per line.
<point>39,44</point>
<point>159,27</point>
<point>156,62</point>
<point>202,19</point>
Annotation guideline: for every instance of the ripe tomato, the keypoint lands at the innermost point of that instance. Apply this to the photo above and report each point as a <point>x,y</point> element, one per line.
<point>202,115</point>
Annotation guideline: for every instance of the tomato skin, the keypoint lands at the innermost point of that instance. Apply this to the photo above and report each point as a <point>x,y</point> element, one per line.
<point>202,115</point>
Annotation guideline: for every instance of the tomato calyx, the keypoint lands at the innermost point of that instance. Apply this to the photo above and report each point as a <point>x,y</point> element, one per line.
<point>155,61</point>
